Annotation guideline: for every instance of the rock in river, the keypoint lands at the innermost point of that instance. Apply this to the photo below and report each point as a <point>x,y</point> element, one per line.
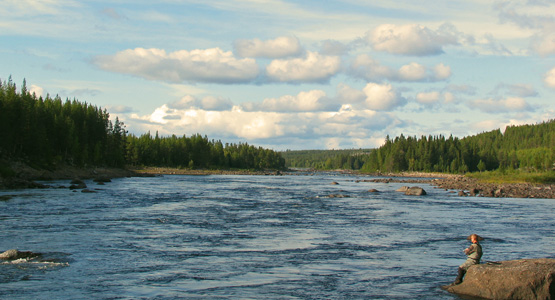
<point>514,279</point>
<point>412,191</point>
<point>14,254</point>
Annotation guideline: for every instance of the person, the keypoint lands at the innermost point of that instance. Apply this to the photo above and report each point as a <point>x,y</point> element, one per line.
<point>473,253</point>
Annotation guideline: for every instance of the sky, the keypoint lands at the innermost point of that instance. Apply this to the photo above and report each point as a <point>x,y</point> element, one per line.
<point>290,75</point>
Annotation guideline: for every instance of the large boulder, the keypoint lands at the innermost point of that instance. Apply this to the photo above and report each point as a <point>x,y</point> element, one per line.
<point>514,279</point>
<point>14,254</point>
<point>412,191</point>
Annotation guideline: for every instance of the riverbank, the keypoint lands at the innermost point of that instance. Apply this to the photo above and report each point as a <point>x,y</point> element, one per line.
<point>25,177</point>
<point>467,186</point>
<point>150,171</point>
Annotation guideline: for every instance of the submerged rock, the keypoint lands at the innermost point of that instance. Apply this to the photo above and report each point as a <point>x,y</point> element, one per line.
<point>338,196</point>
<point>77,184</point>
<point>514,279</point>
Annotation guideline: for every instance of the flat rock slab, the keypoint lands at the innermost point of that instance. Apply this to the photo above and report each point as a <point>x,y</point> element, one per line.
<point>513,279</point>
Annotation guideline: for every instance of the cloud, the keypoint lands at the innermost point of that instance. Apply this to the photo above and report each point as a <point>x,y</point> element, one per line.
<point>363,66</point>
<point>37,90</point>
<point>510,104</point>
<point>312,68</point>
<point>412,39</point>
<point>119,109</point>
<point>434,97</point>
<point>519,90</point>
<point>382,97</point>
<point>348,95</point>
<point>279,47</point>
<point>344,127</point>
<point>207,66</point>
<point>549,78</point>
<point>113,14</point>
<point>428,97</point>
<point>442,72</point>
<point>37,7</point>
<point>311,101</point>
<point>333,47</point>
<point>534,15</point>
<point>207,103</point>
<point>412,72</point>
<point>544,44</point>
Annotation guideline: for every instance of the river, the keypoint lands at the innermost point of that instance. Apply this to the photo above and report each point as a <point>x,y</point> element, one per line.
<point>256,237</point>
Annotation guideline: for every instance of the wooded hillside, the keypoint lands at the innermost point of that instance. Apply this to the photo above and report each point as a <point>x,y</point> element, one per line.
<point>45,132</point>
<point>350,159</point>
<point>525,147</point>
<point>528,147</point>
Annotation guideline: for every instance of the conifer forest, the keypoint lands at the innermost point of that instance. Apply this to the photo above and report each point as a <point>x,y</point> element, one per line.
<point>46,132</point>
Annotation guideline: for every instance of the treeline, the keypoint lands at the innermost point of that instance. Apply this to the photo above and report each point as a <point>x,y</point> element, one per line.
<point>351,159</point>
<point>526,147</point>
<point>198,152</point>
<point>48,131</point>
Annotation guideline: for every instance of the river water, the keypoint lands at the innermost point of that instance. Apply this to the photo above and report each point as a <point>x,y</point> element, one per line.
<point>256,237</point>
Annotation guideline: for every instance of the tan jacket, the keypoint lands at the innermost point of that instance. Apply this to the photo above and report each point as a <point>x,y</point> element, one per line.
<point>474,252</point>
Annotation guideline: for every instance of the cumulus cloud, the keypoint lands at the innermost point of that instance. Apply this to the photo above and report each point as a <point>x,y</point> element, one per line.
<point>312,68</point>
<point>510,104</point>
<point>433,97</point>
<point>344,127</point>
<point>37,90</point>
<point>209,66</point>
<point>348,95</point>
<point>549,78</point>
<point>207,103</point>
<point>412,39</point>
<point>442,72</point>
<point>279,47</point>
<point>382,97</point>
<point>363,66</point>
<point>311,101</point>
<point>428,97</point>
<point>412,72</point>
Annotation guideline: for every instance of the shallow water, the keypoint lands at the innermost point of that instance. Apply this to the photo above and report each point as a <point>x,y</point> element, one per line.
<point>256,237</point>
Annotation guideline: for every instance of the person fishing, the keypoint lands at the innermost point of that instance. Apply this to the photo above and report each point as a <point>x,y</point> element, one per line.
<point>473,253</point>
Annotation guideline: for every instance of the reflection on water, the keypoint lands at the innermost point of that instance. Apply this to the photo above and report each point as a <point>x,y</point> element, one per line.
<point>253,237</point>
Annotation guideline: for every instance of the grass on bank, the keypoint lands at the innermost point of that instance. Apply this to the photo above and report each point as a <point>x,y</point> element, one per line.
<point>514,176</point>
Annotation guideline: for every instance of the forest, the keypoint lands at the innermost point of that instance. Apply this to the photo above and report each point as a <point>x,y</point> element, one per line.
<point>47,132</point>
<point>527,148</point>
<point>346,159</point>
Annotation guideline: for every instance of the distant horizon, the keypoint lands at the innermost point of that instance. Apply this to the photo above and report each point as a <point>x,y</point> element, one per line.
<point>294,75</point>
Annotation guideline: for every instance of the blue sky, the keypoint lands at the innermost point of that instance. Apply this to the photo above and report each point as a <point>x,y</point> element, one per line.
<point>290,74</point>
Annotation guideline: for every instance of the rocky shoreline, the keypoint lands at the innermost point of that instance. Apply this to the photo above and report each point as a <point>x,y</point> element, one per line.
<point>466,186</point>
<point>471,187</point>
<point>26,177</point>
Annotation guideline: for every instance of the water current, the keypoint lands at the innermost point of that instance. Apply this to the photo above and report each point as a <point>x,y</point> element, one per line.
<point>255,237</point>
